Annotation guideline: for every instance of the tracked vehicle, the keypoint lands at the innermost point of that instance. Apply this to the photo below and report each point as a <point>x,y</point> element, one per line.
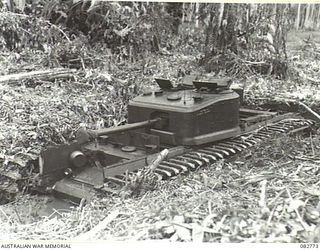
<point>199,122</point>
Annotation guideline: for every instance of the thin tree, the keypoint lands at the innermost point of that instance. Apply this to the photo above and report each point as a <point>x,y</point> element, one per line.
<point>297,22</point>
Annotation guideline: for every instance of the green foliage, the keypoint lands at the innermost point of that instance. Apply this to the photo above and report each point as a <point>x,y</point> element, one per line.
<point>127,29</point>
<point>20,31</point>
<point>246,39</point>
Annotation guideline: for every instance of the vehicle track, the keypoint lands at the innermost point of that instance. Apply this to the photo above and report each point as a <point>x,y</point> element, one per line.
<point>213,152</point>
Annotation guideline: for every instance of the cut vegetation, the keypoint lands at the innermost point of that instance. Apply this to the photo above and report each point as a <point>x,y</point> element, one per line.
<point>84,77</point>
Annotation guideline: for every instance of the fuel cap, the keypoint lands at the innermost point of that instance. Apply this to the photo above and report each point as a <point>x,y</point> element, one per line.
<point>128,149</point>
<point>174,97</point>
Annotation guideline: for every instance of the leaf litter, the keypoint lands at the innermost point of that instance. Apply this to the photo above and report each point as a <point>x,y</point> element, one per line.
<point>270,193</point>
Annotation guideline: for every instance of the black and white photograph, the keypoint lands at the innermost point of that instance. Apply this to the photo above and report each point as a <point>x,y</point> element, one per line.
<point>159,122</point>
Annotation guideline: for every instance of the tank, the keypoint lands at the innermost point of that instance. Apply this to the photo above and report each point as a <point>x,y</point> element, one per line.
<point>194,124</point>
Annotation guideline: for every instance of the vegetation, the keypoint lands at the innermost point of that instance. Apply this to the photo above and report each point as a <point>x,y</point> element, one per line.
<point>239,38</point>
<point>111,51</point>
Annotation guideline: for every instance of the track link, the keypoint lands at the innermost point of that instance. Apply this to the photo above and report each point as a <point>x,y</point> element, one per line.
<point>209,154</point>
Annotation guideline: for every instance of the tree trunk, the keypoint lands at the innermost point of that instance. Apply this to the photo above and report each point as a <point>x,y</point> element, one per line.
<point>183,12</point>
<point>220,14</point>
<point>274,11</point>
<point>311,15</point>
<point>307,20</point>
<point>190,13</point>
<point>318,19</point>
<point>197,15</point>
<point>297,23</point>
<point>8,4</point>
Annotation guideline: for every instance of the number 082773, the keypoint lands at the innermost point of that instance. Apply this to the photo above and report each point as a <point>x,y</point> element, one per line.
<point>309,245</point>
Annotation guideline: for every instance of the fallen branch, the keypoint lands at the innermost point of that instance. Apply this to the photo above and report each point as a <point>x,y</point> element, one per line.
<point>292,101</point>
<point>44,75</point>
<point>135,182</point>
<point>162,155</point>
<point>90,235</point>
<point>144,173</point>
<point>305,158</point>
<point>313,113</point>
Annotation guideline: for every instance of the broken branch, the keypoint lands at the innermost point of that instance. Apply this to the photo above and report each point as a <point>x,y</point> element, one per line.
<point>44,75</point>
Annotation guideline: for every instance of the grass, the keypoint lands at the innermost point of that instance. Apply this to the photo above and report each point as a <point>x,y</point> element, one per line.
<point>265,195</point>
<point>269,193</point>
<point>295,40</point>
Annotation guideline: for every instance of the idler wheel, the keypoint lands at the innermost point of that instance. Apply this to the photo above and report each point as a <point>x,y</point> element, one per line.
<point>78,159</point>
<point>128,149</point>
